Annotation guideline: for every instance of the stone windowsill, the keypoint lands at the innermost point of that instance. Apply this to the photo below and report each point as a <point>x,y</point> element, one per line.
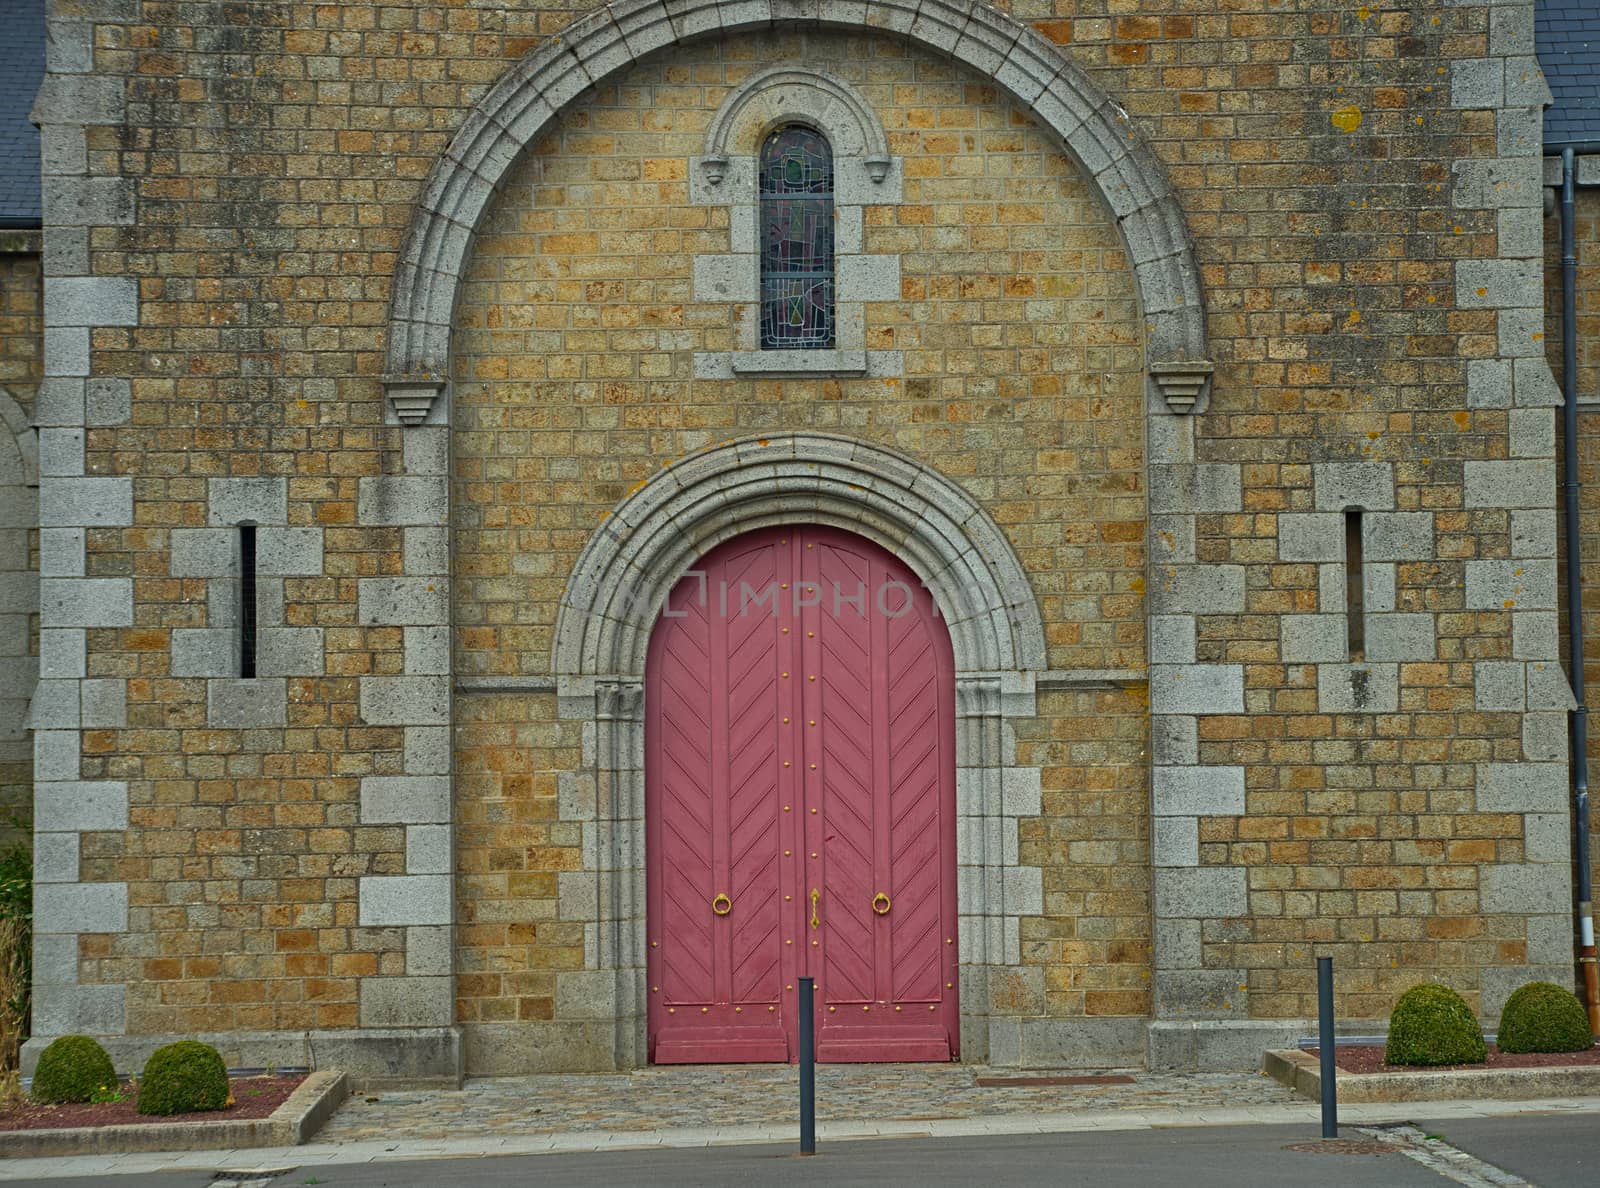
<point>799,362</point>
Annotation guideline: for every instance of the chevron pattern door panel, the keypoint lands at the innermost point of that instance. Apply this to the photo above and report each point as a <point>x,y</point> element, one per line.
<point>800,792</point>
<point>883,704</point>
<point>714,779</point>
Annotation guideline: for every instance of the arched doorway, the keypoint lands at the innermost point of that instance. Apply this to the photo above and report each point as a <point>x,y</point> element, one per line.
<point>800,805</point>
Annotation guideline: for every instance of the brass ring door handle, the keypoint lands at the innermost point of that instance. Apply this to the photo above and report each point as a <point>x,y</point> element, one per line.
<point>881,904</point>
<point>721,905</point>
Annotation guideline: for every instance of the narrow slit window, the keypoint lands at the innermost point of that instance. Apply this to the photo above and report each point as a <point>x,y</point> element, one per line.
<point>247,600</point>
<point>797,307</point>
<point>1354,585</point>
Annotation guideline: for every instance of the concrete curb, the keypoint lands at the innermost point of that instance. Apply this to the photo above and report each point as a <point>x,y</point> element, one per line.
<point>1301,1072</point>
<point>292,1123</point>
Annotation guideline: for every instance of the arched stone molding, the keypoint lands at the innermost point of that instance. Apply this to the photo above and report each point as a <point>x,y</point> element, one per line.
<point>1093,129</point>
<point>19,458</point>
<point>624,573</point>
<point>787,94</point>
<point>615,593</point>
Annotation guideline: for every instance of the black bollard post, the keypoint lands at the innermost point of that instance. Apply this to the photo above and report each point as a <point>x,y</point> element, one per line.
<point>808,1069</point>
<point>1325,1042</point>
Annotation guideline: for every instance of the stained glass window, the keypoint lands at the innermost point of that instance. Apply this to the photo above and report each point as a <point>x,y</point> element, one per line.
<point>797,241</point>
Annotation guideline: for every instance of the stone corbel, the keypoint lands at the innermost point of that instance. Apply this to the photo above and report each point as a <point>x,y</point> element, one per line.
<point>619,699</point>
<point>715,167</point>
<point>1182,382</point>
<point>411,398</point>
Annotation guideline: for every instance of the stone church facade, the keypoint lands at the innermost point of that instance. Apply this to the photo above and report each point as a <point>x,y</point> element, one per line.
<point>398,362</point>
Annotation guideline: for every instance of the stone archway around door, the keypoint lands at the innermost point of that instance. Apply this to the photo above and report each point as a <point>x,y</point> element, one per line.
<point>616,593</point>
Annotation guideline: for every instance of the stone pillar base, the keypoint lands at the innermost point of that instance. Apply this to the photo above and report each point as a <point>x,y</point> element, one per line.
<point>550,1046</point>
<point>1218,1045</point>
<point>1082,1042</point>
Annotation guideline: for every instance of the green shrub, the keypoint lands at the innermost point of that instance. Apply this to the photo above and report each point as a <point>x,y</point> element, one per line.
<point>1543,1017</point>
<point>1432,1024</point>
<point>72,1068</point>
<point>182,1078</point>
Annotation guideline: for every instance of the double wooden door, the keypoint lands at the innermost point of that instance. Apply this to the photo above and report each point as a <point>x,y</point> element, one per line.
<point>800,801</point>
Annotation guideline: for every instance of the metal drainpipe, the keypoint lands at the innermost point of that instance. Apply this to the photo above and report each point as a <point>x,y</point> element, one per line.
<point>1580,714</point>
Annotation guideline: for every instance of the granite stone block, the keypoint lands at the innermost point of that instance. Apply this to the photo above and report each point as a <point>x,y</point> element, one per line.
<point>1365,485</point>
<point>1197,791</point>
<point>1196,689</point>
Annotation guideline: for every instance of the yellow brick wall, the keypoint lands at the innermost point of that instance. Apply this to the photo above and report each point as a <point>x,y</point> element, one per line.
<point>21,366</point>
<point>1092,842</point>
<point>1022,381</point>
<point>21,320</point>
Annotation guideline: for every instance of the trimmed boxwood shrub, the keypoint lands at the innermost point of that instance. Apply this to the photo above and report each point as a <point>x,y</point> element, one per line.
<point>182,1078</point>
<point>1543,1017</point>
<point>72,1068</point>
<point>1432,1024</point>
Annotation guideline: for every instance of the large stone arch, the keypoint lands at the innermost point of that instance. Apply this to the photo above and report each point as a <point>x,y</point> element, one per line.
<point>19,446</point>
<point>1093,129</point>
<point>628,566</point>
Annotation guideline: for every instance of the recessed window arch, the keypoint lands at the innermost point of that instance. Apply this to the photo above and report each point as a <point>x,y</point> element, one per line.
<point>796,157</point>
<point>797,240</point>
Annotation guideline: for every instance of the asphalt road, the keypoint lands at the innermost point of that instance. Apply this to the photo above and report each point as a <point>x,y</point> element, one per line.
<point>1545,1149</point>
<point>1198,1157</point>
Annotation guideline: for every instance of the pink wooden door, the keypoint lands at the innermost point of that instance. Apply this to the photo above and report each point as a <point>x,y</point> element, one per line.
<point>714,829</point>
<point>879,701</point>
<point>800,789</point>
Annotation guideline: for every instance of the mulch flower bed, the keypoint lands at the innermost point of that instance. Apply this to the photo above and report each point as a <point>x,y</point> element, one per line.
<point>254,1097</point>
<point>1368,1058</point>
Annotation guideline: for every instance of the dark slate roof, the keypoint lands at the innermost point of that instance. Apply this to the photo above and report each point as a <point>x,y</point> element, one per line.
<point>1567,38</point>
<point>21,71</point>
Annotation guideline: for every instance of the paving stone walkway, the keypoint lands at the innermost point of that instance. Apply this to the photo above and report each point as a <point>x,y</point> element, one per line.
<point>695,1097</point>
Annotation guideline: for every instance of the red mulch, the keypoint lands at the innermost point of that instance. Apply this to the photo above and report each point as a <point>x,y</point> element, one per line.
<point>254,1097</point>
<point>1368,1058</point>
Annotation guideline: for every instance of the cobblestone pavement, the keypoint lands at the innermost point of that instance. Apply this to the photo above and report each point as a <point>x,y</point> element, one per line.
<point>764,1095</point>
